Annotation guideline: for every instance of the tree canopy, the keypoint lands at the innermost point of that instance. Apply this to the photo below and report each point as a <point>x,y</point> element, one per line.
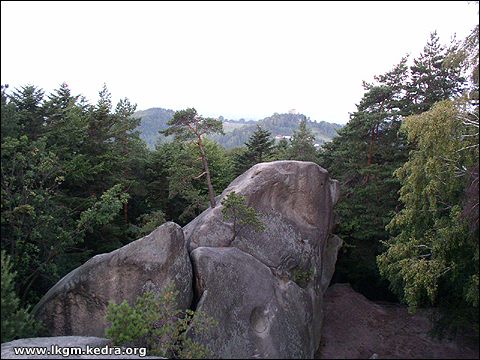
<point>186,125</point>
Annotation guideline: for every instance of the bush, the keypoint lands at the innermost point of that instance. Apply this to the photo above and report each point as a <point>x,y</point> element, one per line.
<point>155,323</point>
<point>16,322</point>
<point>235,209</point>
<point>302,277</point>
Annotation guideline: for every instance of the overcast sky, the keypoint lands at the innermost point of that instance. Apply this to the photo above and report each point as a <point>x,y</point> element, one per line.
<point>236,59</point>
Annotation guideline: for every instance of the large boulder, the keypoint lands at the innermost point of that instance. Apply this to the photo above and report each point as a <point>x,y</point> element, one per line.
<point>295,256</point>
<point>259,314</point>
<point>77,304</point>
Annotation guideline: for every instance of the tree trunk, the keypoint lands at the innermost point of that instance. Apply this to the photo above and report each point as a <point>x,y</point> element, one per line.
<point>211,193</point>
<point>370,155</point>
<point>125,212</point>
<point>370,149</point>
<point>373,139</point>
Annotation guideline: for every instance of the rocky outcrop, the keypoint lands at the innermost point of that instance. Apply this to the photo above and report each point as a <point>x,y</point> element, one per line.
<point>357,328</point>
<point>60,346</point>
<point>258,314</point>
<point>264,288</point>
<point>275,279</point>
<point>77,304</point>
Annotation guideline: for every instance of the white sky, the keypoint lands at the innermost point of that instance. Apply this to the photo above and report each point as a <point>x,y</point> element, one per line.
<point>236,59</point>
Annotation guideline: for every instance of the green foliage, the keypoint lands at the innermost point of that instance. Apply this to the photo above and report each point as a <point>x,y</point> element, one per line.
<point>302,144</point>
<point>433,256</point>
<point>77,181</point>
<point>155,322</point>
<point>433,77</point>
<point>186,125</point>
<point>16,322</point>
<point>302,276</point>
<point>282,150</point>
<point>370,148</point>
<point>173,182</point>
<point>103,211</point>
<point>259,148</point>
<point>260,145</point>
<point>149,222</point>
<point>237,132</point>
<point>277,124</point>
<point>152,122</point>
<point>29,110</point>
<point>59,154</point>
<point>363,158</point>
<point>33,232</point>
<point>241,215</point>
<point>9,120</point>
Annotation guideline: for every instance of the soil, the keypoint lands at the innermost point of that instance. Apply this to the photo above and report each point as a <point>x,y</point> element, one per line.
<point>357,328</point>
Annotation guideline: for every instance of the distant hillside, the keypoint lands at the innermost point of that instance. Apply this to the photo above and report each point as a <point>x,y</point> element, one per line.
<point>278,125</point>
<point>237,132</point>
<point>153,120</point>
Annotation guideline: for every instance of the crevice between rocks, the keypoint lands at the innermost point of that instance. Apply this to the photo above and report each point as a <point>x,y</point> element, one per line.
<point>196,296</point>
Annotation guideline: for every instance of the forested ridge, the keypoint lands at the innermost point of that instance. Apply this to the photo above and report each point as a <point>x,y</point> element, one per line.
<point>78,180</point>
<point>236,132</point>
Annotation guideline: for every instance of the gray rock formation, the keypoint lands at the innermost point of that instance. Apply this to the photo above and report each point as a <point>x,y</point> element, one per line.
<point>272,280</point>
<point>259,314</point>
<point>60,346</point>
<point>77,304</point>
<point>265,288</point>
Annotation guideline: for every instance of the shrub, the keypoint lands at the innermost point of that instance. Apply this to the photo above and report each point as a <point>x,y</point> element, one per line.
<point>154,322</point>
<point>302,277</point>
<point>241,215</point>
<point>16,322</point>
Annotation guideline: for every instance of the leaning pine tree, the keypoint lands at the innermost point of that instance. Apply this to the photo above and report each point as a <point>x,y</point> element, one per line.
<point>186,125</point>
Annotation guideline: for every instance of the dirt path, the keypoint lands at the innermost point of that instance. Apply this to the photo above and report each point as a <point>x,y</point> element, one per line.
<point>356,328</point>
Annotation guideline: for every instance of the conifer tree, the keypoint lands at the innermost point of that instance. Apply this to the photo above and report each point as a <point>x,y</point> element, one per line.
<point>282,150</point>
<point>240,214</point>
<point>367,152</point>
<point>260,145</point>
<point>17,322</point>
<point>432,77</point>
<point>186,125</point>
<point>30,114</point>
<point>259,148</point>
<point>432,258</point>
<point>302,143</point>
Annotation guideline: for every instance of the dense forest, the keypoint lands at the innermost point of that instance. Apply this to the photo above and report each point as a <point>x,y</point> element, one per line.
<point>78,180</point>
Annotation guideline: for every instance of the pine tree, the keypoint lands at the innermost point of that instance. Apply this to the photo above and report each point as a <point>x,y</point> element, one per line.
<point>302,143</point>
<point>240,214</point>
<point>9,119</point>
<point>370,148</point>
<point>17,322</point>
<point>259,148</point>
<point>260,145</point>
<point>55,174</point>
<point>432,257</point>
<point>65,122</point>
<point>30,113</point>
<point>363,157</point>
<point>188,126</point>
<point>432,77</point>
<point>282,150</point>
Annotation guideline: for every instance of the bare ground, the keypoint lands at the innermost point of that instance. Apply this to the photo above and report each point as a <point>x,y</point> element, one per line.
<point>357,328</point>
